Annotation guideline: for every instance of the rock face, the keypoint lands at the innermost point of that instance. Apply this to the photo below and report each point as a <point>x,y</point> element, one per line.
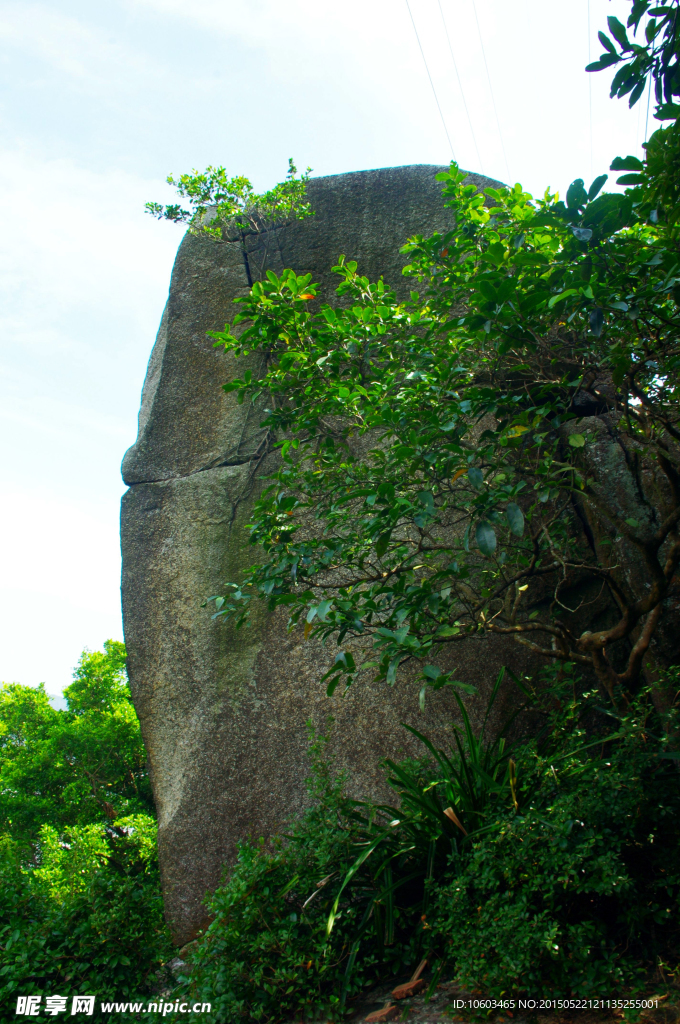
<point>223,713</point>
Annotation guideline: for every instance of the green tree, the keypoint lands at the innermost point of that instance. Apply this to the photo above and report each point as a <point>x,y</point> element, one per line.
<point>80,766</point>
<point>491,457</point>
<point>80,898</point>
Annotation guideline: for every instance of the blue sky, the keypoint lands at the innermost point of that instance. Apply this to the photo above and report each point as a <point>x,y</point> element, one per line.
<point>101,100</point>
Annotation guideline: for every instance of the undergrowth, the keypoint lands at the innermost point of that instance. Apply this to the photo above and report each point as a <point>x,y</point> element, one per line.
<point>549,865</point>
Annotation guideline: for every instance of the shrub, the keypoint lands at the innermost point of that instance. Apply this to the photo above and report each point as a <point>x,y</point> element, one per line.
<point>88,919</point>
<point>267,954</point>
<point>579,888</point>
<point>567,878</point>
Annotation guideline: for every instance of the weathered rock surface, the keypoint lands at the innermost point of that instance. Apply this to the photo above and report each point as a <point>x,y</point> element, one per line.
<point>223,713</point>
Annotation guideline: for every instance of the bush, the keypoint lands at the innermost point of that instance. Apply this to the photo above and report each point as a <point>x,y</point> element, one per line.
<point>88,919</point>
<point>579,889</point>
<point>566,879</point>
<point>267,954</point>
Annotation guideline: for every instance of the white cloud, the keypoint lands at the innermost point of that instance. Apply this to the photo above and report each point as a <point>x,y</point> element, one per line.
<point>78,51</point>
<point>359,62</point>
<point>60,584</point>
<point>83,280</point>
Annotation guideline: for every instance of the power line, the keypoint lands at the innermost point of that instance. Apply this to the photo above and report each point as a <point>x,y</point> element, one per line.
<point>493,101</point>
<point>462,92</point>
<point>430,77</point>
<point>590,98</point>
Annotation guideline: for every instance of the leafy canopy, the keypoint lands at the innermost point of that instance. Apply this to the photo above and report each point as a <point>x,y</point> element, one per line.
<point>81,766</point>
<point>218,202</point>
<point>80,898</point>
<point>438,454</point>
<point>656,58</point>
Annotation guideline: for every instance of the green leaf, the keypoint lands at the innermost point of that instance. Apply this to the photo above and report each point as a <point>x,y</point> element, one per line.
<point>465,687</point>
<point>667,112</point>
<point>345,659</point>
<point>630,179</point>
<point>476,477</point>
<point>576,194</point>
<point>485,537</point>
<point>515,518</point>
<point>619,32</point>
<point>563,295</point>
<point>330,689</point>
<point>604,62</point>
<point>626,163</point>
<point>448,631</point>
<point>426,499</point>
<point>637,92</point>
<point>606,42</point>
<point>431,672</point>
<point>596,186</point>
<point>577,440</point>
<point>382,543</point>
<point>632,522</point>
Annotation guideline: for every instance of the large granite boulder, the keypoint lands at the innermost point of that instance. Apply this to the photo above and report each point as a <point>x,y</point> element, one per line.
<point>224,713</point>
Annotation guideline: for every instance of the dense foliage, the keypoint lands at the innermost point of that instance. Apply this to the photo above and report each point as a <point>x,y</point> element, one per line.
<point>80,903</point>
<point>228,209</point>
<point>655,60</point>
<point>501,452</point>
<point>551,866</point>
<point>77,766</point>
<point>653,57</point>
<point>578,891</point>
<point>441,457</point>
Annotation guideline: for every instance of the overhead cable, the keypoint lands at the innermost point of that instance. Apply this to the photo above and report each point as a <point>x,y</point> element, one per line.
<point>462,92</point>
<point>493,101</point>
<point>590,98</point>
<point>430,77</point>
